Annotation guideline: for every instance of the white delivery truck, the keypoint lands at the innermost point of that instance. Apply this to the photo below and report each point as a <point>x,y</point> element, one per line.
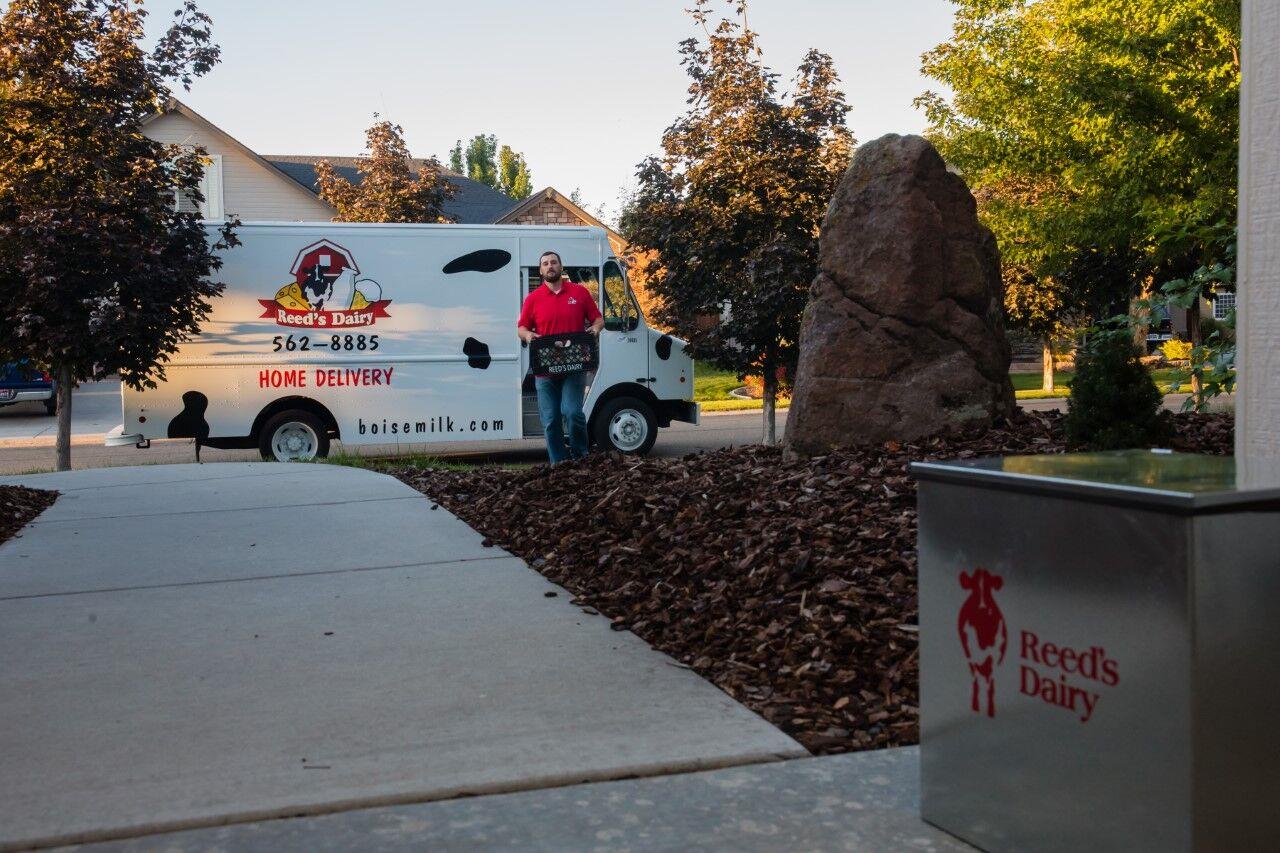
<point>400,334</point>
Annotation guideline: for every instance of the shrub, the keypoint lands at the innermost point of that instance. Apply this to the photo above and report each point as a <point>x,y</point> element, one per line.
<point>755,386</point>
<point>1209,327</point>
<point>1114,402</point>
<point>1176,350</point>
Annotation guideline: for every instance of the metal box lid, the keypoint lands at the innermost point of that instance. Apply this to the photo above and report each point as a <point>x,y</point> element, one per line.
<point>1158,479</point>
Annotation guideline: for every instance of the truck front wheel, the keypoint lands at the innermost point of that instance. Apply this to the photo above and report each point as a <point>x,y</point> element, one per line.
<point>626,425</point>
<point>293,436</point>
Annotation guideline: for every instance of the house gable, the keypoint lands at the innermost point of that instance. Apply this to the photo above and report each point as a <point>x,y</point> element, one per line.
<point>550,207</point>
<point>252,189</point>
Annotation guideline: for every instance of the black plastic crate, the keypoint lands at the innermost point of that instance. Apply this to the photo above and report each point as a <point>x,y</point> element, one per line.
<point>560,355</point>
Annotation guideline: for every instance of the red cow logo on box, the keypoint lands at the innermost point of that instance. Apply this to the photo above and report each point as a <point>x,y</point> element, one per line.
<point>983,634</point>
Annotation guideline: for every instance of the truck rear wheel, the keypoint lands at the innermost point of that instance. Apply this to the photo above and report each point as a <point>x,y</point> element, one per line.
<point>293,436</point>
<point>626,425</point>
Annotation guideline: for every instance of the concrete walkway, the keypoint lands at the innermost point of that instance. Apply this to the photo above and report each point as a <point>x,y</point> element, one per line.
<point>866,801</point>
<point>190,646</point>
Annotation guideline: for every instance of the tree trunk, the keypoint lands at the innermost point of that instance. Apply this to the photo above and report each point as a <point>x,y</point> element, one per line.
<point>63,374</point>
<point>1193,335</point>
<point>1142,317</point>
<point>1046,356</point>
<point>770,400</point>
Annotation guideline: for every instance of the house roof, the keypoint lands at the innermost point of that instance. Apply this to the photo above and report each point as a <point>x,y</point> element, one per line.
<point>475,203</point>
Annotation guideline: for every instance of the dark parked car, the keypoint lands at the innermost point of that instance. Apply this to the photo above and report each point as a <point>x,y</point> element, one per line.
<point>22,382</point>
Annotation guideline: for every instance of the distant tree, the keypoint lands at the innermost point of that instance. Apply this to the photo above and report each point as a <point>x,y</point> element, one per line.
<point>513,174</point>
<point>99,270</point>
<point>727,217</point>
<point>482,160</point>
<point>503,168</point>
<point>1039,307</point>
<point>388,190</point>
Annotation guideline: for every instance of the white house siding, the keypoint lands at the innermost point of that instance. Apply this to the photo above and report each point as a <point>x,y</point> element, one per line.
<point>1258,287</point>
<point>249,189</point>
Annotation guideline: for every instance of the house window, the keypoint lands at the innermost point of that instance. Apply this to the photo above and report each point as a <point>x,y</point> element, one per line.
<point>1223,303</point>
<point>210,188</point>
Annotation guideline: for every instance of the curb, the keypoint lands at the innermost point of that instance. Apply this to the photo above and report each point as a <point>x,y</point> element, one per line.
<point>50,441</point>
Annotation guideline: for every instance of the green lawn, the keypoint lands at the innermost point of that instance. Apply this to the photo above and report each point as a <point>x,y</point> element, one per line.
<point>712,384</point>
<point>1031,381</point>
<point>711,387</point>
<point>1027,385</point>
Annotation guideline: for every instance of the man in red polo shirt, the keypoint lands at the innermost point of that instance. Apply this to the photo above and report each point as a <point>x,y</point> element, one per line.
<point>559,307</point>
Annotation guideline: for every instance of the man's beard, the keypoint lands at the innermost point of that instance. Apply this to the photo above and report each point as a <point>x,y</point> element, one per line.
<point>553,278</point>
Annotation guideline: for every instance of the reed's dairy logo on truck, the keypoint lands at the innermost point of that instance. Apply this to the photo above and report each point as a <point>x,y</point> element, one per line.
<point>1069,677</point>
<point>325,293</point>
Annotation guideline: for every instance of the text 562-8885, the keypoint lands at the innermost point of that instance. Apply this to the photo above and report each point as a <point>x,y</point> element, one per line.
<point>336,343</point>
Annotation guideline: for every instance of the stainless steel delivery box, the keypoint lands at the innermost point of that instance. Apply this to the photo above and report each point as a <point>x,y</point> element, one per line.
<point>1100,652</point>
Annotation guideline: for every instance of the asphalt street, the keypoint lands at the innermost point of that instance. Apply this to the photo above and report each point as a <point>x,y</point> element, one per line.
<point>95,409</point>
<point>26,437</point>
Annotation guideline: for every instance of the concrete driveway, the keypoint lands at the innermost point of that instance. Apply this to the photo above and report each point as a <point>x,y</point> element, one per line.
<point>192,645</point>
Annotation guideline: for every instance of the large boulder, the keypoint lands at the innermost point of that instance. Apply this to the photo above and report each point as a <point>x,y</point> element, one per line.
<point>903,336</point>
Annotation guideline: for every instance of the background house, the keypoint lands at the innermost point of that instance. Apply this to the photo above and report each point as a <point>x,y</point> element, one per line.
<point>282,187</point>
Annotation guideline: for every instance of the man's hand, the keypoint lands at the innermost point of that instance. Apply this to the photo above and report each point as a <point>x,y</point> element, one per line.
<point>597,327</point>
<point>526,335</point>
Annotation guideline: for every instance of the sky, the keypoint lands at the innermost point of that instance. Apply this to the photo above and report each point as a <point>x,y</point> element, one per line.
<point>583,88</point>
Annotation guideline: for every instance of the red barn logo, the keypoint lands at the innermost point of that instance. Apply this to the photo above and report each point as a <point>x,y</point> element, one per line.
<point>325,292</point>
<point>983,634</point>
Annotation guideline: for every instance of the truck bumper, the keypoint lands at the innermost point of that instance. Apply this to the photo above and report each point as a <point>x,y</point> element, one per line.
<point>119,438</point>
<point>685,411</point>
<point>32,396</point>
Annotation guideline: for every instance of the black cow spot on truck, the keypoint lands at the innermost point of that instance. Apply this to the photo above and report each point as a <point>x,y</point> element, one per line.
<point>190,422</point>
<point>485,260</point>
<point>662,347</point>
<point>477,353</point>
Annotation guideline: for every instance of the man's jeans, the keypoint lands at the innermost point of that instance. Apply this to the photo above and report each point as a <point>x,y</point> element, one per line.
<point>562,397</point>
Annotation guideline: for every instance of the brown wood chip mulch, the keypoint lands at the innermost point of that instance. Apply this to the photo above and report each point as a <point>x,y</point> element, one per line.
<point>18,506</point>
<point>791,585</point>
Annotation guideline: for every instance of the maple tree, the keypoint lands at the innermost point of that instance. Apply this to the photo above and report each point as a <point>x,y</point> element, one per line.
<point>725,220</point>
<point>100,272</point>
<point>388,190</point>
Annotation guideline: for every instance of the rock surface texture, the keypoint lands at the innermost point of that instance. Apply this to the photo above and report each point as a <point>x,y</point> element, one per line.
<point>903,336</point>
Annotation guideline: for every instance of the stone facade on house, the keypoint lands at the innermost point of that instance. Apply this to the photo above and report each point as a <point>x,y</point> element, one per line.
<point>547,212</point>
